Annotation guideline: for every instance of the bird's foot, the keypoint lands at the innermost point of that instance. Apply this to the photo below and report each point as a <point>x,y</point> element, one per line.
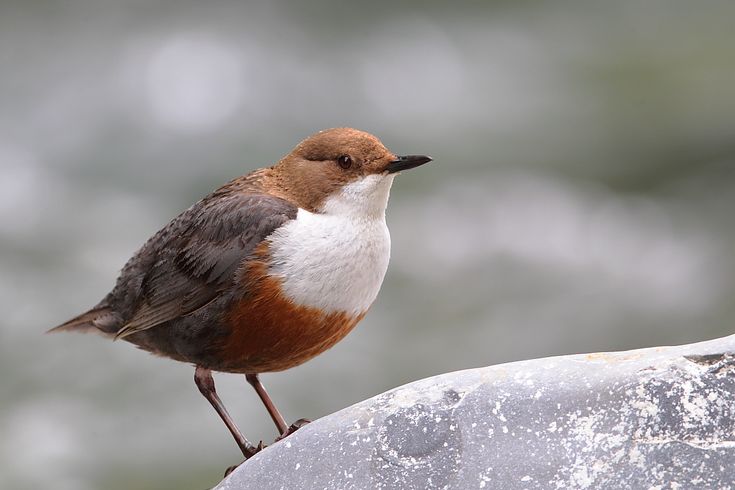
<point>293,428</point>
<point>231,469</point>
<point>255,451</point>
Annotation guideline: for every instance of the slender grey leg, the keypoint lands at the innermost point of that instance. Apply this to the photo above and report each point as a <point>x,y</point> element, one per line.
<point>278,419</point>
<point>205,383</point>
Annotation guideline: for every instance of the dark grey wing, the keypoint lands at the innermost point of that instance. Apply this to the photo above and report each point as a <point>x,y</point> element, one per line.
<point>201,254</point>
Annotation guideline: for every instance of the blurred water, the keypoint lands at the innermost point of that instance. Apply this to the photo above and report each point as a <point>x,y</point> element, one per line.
<point>581,197</point>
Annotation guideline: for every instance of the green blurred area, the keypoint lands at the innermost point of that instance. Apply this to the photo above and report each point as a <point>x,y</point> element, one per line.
<point>581,198</point>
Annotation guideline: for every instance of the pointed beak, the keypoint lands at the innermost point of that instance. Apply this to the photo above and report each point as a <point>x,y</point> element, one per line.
<point>405,162</point>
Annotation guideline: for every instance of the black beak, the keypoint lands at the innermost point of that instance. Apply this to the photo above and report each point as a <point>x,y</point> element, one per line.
<point>406,162</point>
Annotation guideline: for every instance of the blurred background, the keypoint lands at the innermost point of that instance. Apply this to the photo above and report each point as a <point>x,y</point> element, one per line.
<point>581,198</point>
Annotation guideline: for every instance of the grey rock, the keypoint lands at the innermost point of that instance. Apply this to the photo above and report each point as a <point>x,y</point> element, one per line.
<point>649,418</point>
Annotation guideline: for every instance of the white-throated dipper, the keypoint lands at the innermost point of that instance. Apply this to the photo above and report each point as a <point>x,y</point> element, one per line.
<point>266,272</point>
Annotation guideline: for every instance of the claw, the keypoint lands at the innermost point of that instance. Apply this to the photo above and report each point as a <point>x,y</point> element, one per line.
<point>293,428</point>
<point>231,469</point>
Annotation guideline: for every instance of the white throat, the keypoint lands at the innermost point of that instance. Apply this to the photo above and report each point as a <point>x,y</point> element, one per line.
<point>335,260</point>
<point>365,197</point>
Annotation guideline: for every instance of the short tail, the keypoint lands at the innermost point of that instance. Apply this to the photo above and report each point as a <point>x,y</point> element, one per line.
<point>99,319</point>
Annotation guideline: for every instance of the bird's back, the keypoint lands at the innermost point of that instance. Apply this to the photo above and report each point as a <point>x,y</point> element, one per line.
<point>189,263</point>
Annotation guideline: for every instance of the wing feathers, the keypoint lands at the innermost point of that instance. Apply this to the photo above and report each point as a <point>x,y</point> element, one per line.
<point>199,260</point>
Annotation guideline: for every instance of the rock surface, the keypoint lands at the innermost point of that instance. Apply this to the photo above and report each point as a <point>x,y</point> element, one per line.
<point>650,418</point>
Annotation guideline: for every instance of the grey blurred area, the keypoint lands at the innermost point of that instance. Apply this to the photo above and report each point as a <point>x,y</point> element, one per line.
<point>581,198</point>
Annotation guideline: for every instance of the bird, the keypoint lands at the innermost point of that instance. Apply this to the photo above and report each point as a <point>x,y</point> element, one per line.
<point>264,273</point>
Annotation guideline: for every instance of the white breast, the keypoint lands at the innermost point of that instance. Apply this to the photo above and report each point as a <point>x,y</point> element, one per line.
<point>336,260</point>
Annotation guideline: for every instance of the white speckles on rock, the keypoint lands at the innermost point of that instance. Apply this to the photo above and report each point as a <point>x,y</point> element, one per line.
<point>652,418</point>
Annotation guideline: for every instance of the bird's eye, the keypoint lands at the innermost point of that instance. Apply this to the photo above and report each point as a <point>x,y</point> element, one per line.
<point>345,161</point>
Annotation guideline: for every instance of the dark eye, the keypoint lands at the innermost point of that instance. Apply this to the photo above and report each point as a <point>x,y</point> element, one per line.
<point>345,161</point>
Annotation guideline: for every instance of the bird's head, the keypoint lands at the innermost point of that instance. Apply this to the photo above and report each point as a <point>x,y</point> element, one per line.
<point>342,171</point>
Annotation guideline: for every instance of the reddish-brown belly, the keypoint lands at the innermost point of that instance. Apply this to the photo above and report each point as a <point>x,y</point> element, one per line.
<point>270,333</point>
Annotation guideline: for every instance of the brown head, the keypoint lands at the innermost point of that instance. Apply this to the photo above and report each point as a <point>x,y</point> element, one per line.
<point>350,166</point>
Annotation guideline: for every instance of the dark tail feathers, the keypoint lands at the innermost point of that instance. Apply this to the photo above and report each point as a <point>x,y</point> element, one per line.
<point>99,320</point>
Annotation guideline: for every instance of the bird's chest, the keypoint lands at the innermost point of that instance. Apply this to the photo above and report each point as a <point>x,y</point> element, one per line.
<point>334,263</point>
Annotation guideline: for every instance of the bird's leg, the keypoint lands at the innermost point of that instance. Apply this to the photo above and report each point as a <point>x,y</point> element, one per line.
<point>205,383</point>
<point>278,419</point>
